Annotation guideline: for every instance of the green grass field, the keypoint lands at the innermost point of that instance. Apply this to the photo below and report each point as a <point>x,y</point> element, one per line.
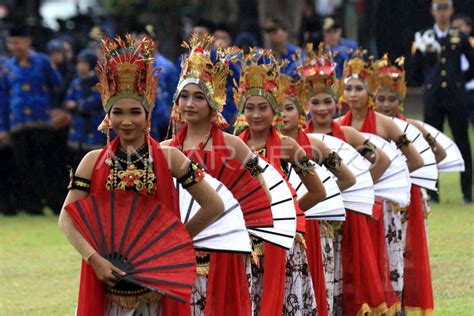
<point>39,270</point>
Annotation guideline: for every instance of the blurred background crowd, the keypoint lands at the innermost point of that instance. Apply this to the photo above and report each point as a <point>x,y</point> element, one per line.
<point>58,107</point>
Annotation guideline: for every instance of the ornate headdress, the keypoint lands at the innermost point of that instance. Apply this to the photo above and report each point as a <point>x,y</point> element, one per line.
<point>127,72</point>
<point>318,73</point>
<point>358,68</point>
<point>260,75</point>
<point>198,68</point>
<point>292,87</point>
<point>391,77</point>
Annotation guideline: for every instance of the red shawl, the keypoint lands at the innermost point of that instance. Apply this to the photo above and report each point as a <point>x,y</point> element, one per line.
<point>91,289</point>
<point>376,225</point>
<point>313,245</point>
<point>417,288</point>
<point>336,130</point>
<point>309,126</point>
<point>275,257</point>
<point>227,286</point>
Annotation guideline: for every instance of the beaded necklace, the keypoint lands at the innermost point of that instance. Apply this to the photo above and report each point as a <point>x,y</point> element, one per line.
<point>127,174</point>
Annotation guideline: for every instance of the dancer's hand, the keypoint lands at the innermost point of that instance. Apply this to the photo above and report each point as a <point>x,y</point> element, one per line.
<point>104,270</point>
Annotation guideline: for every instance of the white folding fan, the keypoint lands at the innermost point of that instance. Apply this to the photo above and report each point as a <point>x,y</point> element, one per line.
<point>426,176</point>
<point>228,232</point>
<point>395,184</point>
<point>332,207</point>
<point>453,161</point>
<point>283,209</point>
<point>360,197</point>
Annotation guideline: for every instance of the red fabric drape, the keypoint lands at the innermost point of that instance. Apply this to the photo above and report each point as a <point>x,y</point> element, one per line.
<point>91,289</point>
<point>275,257</point>
<point>309,126</point>
<point>313,245</point>
<point>227,287</point>
<point>417,288</point>
<point>376,225</point>
<point>362,287</point>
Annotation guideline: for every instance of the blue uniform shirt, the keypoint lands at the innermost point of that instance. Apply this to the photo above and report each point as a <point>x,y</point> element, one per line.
<point>166,87</point>
<point>87,115</point>
<point>30,90</point>
<point>288,55</point>
<point>4,122</point>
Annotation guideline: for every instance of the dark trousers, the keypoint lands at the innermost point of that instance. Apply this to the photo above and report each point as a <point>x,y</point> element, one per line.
<point>40,158</point>
<point>470,102</point>
<point>453,106</point>
<point>8,182</point>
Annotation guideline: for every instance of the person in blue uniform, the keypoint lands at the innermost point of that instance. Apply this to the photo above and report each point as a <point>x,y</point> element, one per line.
<point>166,87</point>
<point>33,122</point>
<point>7,198</point>
<point>437,55</point>
<point>341,48</point>
<point>84,103</point>
<point>276,37</point>
<point>463,22</point>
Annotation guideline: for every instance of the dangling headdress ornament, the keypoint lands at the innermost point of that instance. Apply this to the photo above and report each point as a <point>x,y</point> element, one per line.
<point>358,68</point>
<point>259,75</point>
<point>127,72</point>
<point>198,68</point>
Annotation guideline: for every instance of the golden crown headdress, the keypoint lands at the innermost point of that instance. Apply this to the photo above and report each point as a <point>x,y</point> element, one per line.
<point>358,68</point>
<point>318,74</point>
<point>390,77</point>
<point>127,72</point>
<point>259,75</point>
<point>211,76</point>
<point>292,88</point>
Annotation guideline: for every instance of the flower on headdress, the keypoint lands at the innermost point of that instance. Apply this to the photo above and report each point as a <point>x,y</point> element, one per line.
<point>363,74</point>
<point>291,91</point>
<point>199,50</point>
<point>206,76</point>
<point>269,85</point>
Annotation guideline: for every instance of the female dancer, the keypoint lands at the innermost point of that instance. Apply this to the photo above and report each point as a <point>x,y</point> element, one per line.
<point>355,290</point>
<point>417,290</point>
<point>222,285</point>
<point>294,122</point>
<point>128,98</point>
<point>258,96</point>
<point>359,86</point>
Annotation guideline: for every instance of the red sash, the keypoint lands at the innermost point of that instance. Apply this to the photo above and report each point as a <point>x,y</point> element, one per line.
<point>313,245</point>
<point>376,225</point>
<point>417,287</point>
<point>227,286</point>
<point>91,289</point>
<point>275,257</point>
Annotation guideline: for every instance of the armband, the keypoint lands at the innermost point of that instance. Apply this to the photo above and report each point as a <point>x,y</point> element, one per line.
<point>304,166</point>
<point>368,148</point>
<point>402,141</point>
<point>252,166</point>
<point>78,183</point>
<point>194,175</point>
<point>333,161</point>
